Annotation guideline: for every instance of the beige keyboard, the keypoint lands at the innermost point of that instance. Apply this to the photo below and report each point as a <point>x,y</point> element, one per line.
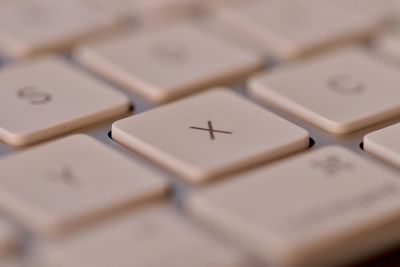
<point>226,133</point>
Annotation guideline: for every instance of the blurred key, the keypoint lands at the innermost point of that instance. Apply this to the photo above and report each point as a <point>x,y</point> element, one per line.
<point>47,97</point>
<point>209,134</point>
<point>324,208</point>
<point>289,29</point>
<point>169,63</point>
<point>66,183</point>
<point>146,10</point>
<point>153,237</point>
<point>341,92</point>
<point>32,26</point>
<point>385,144</point>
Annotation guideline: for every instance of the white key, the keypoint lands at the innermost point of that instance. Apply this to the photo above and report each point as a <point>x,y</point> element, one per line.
<point>33,26</point>
<point>153,237</point>
<point>48,97</point>
<point>385,144</point>
<point>146,10</point>
<point>340,92</point>
<point>64,184</point>
<point>209,134</point>
<point>169,63</point>
<point>324,208</point>
<point>289,29</point>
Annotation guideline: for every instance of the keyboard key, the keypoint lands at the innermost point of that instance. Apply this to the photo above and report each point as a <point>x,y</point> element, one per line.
<point>289,29</point>
<point>145,10</point>
<point>384,144</point>
<point>48,97</point>
<point>340,92</point>
<point>324,208</point>
<point>209,134</point>
<point>169,63</point>
<point>32,26</point>
<point>156,236</point>
<point>61,185</point>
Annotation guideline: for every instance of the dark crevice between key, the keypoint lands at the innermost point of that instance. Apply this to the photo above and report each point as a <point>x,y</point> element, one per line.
<point>362,145</point>
<point>131,109</point>
<point>312,143</point>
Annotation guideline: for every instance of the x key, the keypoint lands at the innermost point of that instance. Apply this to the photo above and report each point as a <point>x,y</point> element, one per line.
<point>167,135</point>
<point>211,130</point>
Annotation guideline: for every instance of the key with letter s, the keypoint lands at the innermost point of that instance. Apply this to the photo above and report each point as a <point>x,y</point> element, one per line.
<point>47,97</point>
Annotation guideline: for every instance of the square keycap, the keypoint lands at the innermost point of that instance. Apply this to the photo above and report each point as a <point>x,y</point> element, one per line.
<point>328,207</point>
<point>47,97</point>
<point>33,26</point>
<point>210,134</point>
<point>289,29</point>
<point>153,236</point>
<point>61,185</point>
<point>168,63</point>
<point>340,92</point>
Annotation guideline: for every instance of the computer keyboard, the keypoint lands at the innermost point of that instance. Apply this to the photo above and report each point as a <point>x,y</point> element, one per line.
<point>227,133</point>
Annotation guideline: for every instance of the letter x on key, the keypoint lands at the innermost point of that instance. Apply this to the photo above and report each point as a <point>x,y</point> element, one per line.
<point>211,130</point>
